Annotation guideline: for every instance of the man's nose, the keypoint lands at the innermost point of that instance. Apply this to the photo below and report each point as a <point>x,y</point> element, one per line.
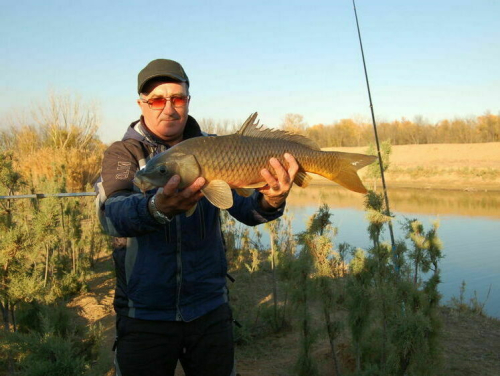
<point>169,107</point>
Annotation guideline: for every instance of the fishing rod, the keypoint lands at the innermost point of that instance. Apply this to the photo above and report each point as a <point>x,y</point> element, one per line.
<point>386,197</point>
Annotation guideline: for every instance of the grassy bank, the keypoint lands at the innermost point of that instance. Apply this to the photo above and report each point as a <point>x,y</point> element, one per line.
<point>470,342</point>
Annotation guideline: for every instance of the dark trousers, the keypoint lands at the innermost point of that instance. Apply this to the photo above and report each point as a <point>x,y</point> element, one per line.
<point>204,346</point>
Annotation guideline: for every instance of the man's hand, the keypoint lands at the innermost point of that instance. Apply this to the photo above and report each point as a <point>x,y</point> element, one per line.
<point>278,188</point>
<point>171,201</point>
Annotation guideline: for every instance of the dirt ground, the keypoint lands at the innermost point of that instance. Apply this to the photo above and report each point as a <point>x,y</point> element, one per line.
<point>471,347</point>
<point>471,343</point>
<point>96,308</point>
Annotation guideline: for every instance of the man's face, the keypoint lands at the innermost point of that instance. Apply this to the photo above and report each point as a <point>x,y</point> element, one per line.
<point>168,124</point>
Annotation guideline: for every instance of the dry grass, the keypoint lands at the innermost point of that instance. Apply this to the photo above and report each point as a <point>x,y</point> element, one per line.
<point>442,166</point>
<point>471,343</point>
<point>441,155</point>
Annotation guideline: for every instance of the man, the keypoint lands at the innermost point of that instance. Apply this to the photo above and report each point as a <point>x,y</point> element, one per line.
<point>171,298</point>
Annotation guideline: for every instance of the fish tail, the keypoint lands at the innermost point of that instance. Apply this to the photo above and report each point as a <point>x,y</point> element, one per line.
<point>342,169</point>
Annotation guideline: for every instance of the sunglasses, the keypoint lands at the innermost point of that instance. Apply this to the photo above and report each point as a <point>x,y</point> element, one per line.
<point>160,103</point>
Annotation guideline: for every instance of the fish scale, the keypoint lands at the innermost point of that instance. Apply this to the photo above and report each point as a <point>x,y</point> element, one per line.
<point>252,156</point>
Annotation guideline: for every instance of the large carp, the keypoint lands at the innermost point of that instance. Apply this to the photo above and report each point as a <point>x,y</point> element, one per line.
<point>235,161</point>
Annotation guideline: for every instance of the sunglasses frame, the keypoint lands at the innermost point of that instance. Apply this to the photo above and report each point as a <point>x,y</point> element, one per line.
<point>171,99</point>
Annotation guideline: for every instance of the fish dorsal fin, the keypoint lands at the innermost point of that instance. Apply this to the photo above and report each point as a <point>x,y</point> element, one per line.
<point>245,192</point>
<point>250,128</point>
<point>218,192</point>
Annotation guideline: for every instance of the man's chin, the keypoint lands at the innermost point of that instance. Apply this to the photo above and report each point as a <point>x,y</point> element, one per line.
<point>171,131</point>
<point>171,124</point>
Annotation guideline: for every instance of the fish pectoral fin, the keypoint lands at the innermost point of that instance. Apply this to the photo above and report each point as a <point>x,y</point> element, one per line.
<point>302,179</point>
<point>218,192</point>
<point>245,192</point>
<point>190,212</point>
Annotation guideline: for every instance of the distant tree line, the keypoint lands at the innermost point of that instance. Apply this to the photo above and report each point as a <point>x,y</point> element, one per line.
<point>348,132</point>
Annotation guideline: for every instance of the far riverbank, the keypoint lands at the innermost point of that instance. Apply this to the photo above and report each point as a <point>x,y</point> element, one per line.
<point>466,167</point>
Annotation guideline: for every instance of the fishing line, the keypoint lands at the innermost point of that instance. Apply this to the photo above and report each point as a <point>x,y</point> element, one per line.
<point>46,195</point>
<point>386,197</point>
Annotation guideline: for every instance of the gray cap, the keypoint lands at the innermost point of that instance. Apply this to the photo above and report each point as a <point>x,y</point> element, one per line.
<point>161,68</point>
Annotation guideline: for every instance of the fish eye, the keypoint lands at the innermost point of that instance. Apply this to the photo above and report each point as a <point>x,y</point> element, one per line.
<point>163,170</point>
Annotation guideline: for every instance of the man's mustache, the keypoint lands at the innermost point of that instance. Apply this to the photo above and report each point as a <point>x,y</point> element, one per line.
<point>170,118</point>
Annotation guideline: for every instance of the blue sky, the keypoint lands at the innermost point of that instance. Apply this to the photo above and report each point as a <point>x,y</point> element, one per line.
<point>437,59</point>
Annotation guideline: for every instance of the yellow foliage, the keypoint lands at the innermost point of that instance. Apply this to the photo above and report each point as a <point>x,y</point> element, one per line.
<point>79,167</point>
<point>60,146</point>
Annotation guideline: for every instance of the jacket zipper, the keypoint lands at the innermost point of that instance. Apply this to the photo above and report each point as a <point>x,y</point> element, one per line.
<point>178,315</point>
<point>167,232</point>
<point>202,220</point>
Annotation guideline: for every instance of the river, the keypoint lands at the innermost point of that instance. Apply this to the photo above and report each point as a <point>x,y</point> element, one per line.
<point>469,229</point>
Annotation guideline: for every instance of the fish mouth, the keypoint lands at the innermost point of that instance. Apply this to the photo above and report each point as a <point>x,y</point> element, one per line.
<point>142,184</point>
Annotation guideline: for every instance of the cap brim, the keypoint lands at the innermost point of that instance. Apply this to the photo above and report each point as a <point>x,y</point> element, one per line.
<point>159,75</point>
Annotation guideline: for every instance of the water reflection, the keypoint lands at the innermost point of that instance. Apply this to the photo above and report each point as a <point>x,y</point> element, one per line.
<point>469,229</point>
<point>432,202</point>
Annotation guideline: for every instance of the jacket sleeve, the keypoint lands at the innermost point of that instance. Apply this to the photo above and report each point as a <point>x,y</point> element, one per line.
<point>122,208</point>
<point>248,210</point>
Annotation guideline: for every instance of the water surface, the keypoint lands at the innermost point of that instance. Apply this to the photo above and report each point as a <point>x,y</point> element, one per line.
<point>469,229</point>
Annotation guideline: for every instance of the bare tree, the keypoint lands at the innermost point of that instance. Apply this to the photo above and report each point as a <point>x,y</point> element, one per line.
<point>67,121</point>
<point>294,123</point>
<point>219,127</point>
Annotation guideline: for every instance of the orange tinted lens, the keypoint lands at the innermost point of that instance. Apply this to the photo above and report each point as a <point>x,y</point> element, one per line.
<point>179,101</point>
<point>157,103</point>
